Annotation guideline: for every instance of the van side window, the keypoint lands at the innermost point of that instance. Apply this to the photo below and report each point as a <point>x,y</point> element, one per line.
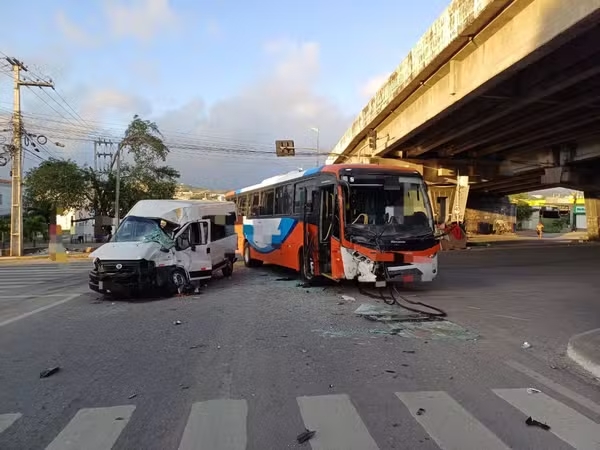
<point>195,238</point>
<point>183,240</point>
<point>204,236</point>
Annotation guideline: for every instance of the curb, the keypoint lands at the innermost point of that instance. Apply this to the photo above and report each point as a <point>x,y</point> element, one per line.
<point>576,350</point>
<point>37,258</point>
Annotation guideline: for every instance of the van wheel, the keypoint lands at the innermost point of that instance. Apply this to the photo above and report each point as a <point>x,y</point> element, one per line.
<point>306,267</point>
<point>248,261</point>
<point>227,269</point>
<point>177,281</point>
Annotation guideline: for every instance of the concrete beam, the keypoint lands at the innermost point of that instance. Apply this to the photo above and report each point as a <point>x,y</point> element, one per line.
<point>454,29</point>
<point>513,40</point>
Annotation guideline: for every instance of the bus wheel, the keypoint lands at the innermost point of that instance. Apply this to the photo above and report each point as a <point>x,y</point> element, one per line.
<point>248,261</point>
<point>306,267</point>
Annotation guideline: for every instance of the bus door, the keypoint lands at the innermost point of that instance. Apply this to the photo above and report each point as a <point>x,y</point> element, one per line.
<point>327,228</point>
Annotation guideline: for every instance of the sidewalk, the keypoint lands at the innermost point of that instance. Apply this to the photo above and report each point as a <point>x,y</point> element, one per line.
<point>528,237</point>
<point>584,349</point>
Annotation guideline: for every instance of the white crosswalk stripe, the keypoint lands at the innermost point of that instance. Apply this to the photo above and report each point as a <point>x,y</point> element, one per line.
<point>93,429</point>
<point>222,423</point>
<point>16,277</point>
<point>569,425</point>
<point>6,420</point>
<point>448,423</point>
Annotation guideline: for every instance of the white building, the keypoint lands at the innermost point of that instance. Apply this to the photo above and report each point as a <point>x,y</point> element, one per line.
<point>5,195</point>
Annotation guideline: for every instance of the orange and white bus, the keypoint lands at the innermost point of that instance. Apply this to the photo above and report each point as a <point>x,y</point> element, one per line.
<point>365,222</point>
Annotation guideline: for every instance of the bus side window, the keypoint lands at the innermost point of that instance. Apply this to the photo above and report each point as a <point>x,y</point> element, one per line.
<point>300,198</point>
<point>267,203</point>
<point>254,206</point>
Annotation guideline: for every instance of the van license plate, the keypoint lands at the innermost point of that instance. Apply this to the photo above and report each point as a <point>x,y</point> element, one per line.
<point>380,284</point>
<point>100,284</point>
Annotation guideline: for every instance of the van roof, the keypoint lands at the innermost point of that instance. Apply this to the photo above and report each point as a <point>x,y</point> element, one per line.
<point>180,211</point>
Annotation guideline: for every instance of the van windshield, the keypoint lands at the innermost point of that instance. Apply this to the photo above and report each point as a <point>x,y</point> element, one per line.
<point>143,229</point>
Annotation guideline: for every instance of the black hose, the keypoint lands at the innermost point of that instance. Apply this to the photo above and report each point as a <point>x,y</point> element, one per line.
<point>393,300</point>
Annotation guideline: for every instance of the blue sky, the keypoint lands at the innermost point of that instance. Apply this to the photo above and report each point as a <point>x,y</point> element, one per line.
<point>236,73</point>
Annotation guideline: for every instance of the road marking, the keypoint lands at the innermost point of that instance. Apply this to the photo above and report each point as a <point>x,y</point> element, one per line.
<point>38,310</point>
<point>216,425</point>
<point>585,402</point>
<point>35,295</point>
<point>6,420</point>
<point>93,429</point>
<point>448,423</point>
<point>336,422</point>
<point>510,317</point>
<point>566,423</point>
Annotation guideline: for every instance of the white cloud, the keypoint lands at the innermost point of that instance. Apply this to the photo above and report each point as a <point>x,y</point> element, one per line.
<point>100,102</point>
<point>370,88</point>
<point>140,19</point>
<point>72,31</point>
<point>285,105</point>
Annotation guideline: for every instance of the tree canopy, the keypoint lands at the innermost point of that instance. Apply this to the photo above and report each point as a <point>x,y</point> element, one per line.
<point>55,184</point>
<point>63,184</point>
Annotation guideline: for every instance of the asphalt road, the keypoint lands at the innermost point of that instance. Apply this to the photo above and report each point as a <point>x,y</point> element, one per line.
<point>255,360</point>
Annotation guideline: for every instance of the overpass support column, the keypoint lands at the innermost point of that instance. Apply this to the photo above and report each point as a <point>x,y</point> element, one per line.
<point>592,212</point>
<point>488,213</point>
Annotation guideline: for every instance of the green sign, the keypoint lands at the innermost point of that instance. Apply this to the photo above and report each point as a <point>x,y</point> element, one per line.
<point>579,209</point>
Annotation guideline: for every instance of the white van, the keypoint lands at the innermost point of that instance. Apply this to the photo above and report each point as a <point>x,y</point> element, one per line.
<point>166,245</point>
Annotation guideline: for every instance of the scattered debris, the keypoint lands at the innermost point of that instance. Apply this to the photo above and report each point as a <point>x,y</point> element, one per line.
<point>305,436</point>
<point>420,411</point>
<point>184,387</point>
<point>218,347</point>
<point>304,285</point>
<point>526,345</point>
<point>49,372</point>
<point>285,279</point>
<point>331,386</point>
<point>382,313</point>
<point>284,335</point>
<point>390,371</point>
<point>177,322</point>
<point>119,418</point>
<point>304,351</point>
<point>534,423</point>
<point>347,298</point>
<point>197,346</point>
<point>408,351</point>
<point>533,391</point>
<point>132,396</point>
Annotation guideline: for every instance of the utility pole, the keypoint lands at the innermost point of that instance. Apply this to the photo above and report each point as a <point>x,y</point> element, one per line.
<point>102,166</point>
<point>16,209</point>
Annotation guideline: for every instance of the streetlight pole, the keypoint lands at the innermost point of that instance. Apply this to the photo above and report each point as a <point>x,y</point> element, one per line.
<point>316,130</point>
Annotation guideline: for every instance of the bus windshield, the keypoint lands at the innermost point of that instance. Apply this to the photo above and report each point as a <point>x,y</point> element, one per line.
<point>388,205</point>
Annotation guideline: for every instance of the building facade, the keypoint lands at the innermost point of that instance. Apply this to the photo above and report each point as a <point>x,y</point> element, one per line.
<point>5,195</point>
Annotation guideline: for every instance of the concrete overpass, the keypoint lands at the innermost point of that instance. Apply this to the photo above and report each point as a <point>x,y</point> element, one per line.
<point>504,91</point>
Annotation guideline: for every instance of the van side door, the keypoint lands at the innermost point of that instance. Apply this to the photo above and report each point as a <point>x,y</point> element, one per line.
<point>191,252</point>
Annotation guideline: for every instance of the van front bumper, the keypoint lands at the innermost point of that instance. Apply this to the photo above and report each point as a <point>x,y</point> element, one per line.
<point>123,276</point>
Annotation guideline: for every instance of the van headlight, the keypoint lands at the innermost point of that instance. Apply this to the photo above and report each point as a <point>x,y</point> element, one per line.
<point>96,264</point>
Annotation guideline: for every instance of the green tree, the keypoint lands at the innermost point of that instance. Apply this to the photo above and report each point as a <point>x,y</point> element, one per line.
<point>55,184</point>
<point>524,211</point>
<point>144,178</point>
<point>33,225</point>
<point>4,229</point>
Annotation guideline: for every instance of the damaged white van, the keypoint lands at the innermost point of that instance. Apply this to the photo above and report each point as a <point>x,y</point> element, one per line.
<point>166,245</point>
